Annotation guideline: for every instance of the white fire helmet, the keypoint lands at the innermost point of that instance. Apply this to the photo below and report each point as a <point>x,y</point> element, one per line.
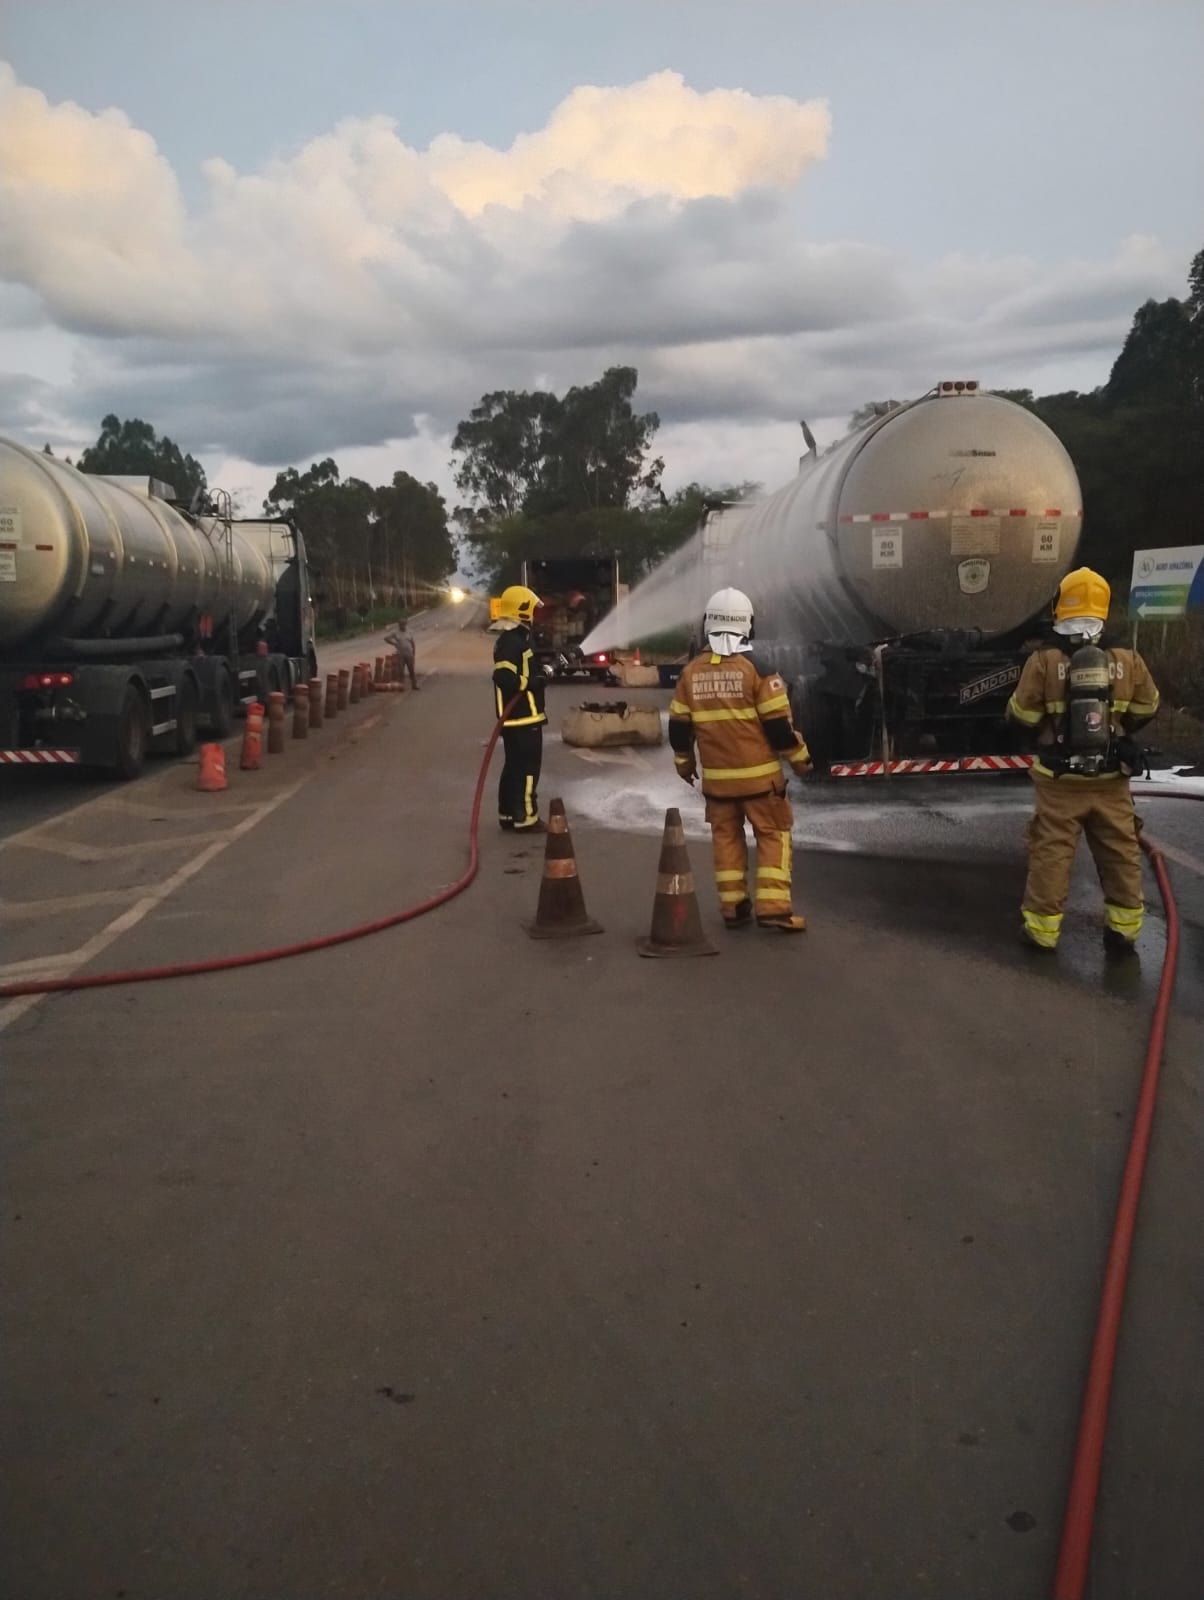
<point>728,623</point>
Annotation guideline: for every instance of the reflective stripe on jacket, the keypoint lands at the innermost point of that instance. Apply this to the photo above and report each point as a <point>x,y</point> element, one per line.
<point>740,723</point>
<point>515,673</point>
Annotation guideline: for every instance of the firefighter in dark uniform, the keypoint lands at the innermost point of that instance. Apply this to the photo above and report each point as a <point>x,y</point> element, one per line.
<point>518,678</point>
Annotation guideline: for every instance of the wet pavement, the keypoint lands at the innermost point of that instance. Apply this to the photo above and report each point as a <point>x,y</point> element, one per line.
<point>943,854</point>
<point>451,1264</point>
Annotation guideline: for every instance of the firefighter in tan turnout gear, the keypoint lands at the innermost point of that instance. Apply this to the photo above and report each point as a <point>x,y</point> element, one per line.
<point>1083,701</point>
<point>740,723</point>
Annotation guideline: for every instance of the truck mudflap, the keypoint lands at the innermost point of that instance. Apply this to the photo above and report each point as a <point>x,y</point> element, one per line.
<point>33,758</point>
<point>934,765</point>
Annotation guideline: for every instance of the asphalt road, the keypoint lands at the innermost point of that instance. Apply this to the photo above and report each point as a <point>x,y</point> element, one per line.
<point>453,1264</point>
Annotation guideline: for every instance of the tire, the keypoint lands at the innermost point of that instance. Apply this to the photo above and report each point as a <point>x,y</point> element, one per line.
<point>221,717</point>
<point>133,734</point>
<point>187,708</point>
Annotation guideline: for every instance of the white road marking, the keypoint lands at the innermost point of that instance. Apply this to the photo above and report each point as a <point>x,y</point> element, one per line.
<point>70,962</point>
<point>19,910</point>
<point>138,808</point>
<point>74,851</point>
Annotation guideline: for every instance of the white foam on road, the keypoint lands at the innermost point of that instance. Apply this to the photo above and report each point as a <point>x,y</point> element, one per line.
<point>629,791</point>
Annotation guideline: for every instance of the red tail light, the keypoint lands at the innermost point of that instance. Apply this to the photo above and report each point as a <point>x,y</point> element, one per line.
<point>47,680</point>
<point>602,658</point>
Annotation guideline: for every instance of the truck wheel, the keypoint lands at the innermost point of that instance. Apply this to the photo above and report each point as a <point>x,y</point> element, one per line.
<point>187,704</point>
<point>221,715</point>
<point>133,733</point>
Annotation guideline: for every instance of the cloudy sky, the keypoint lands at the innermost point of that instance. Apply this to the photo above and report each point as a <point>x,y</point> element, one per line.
<point>279,231</point>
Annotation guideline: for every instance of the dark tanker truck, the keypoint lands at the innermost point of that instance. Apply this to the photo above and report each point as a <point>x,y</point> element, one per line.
<point>129,623</point>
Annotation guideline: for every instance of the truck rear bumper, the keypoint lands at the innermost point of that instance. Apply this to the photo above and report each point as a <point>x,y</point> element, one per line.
<point>37,757</point>
<point>931,766</point>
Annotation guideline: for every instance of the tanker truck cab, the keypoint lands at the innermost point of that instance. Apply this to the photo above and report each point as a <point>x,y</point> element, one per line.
<point>129,623</point>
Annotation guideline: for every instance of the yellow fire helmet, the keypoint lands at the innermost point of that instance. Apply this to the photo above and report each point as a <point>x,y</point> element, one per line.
<point>1082,593</point>
<point>518,604</point>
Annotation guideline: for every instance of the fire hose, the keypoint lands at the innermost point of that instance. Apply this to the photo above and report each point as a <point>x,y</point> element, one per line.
<point>1078,1524</point>
<point>1074,1552</point>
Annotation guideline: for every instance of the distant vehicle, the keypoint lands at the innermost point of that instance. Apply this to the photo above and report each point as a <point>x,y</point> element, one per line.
<point>896,580</point>
<point>576,594</point>
<point>128,623</point>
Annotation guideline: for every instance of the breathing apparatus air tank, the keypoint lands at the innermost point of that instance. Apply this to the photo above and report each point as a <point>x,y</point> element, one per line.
<point>1088,709</point>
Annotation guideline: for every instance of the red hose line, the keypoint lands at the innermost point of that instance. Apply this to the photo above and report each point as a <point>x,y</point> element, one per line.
<point>256,958</point>
<point>1074,1553</point>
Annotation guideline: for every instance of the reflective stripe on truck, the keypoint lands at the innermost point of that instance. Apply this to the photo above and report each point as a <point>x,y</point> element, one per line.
<point>894,769</point>
<point>24,757</point>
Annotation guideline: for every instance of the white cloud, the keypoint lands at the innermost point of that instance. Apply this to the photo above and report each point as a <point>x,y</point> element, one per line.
<point>658,137</point>
<point>362,293</point>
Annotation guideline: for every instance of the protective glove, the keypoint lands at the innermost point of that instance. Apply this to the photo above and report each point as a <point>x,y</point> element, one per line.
<point>688,774</point>
<point>803,770</point>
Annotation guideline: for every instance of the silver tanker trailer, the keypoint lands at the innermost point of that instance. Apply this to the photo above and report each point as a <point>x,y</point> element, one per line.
<point>896,580</point>
<point>127,623</point>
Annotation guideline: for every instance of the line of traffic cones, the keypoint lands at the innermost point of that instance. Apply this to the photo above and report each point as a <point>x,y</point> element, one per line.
<point>676,922</point>
<point>315,702</point>
<point>387,677</point>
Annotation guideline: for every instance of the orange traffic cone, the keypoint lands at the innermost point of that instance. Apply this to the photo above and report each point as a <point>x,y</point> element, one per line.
<point>211,773</point>
<point>636,657</point>
<point>676,924</point>
<point>252,740</point>
<point>561,913</point>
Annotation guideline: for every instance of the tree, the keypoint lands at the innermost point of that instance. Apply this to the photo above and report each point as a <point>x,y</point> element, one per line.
<point>133,447</point>
<point>412,517</point>
<point>534,453</point>
<point>597,448</point>
<point>1159,364</point>
<point>502,443</point>
<point>367,545</point>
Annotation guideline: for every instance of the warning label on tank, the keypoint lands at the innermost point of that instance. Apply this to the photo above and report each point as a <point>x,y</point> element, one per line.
<point>1047,538</point>
<point>974,536</point>
<point>888,549</point>
<point>8,566</point>
<point>973,576</point>
<point>10,524</point>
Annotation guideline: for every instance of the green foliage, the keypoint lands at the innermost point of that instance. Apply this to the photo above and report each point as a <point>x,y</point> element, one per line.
<point>388,544</point>
<point>537,454</point>
<point>550,477</point>
<point>1136,442</point>
<point>132,447</point>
